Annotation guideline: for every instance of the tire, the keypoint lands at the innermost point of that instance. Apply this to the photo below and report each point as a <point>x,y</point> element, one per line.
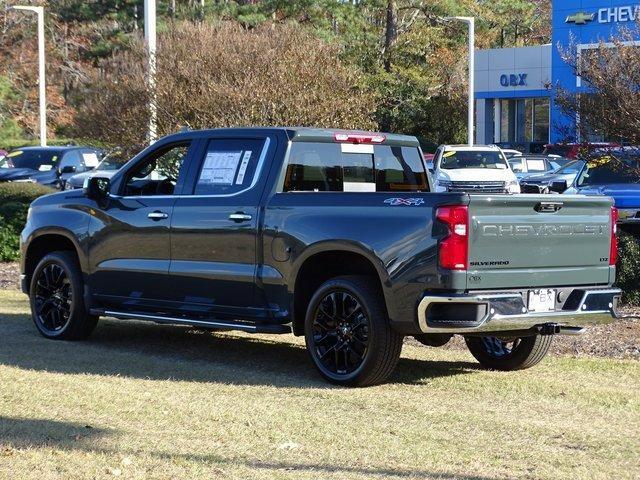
<point>494,352</point>
<point>56,298</point>
<point>348,335</point>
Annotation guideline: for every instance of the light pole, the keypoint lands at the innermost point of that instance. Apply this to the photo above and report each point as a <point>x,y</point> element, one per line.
<point>471,21</point>
<point>150,38</point>
<point>41,71</point>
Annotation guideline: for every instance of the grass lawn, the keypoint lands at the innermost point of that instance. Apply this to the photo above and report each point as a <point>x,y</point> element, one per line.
<point>147,401</point>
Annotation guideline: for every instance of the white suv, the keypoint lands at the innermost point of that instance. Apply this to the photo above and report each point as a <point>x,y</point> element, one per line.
<point>477,169</point>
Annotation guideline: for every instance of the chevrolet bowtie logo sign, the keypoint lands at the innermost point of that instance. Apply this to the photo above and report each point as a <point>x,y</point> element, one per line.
<point>581,18</point>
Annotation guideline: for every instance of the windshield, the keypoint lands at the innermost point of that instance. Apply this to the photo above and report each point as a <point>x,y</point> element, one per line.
<point>606,171</point>
<point>455,160</point>
<point>571,167</point>
<point>111,163</point>
<point>42,160</point>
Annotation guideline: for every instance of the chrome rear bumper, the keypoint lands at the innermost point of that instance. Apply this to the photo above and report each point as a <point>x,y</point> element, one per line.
<point>501,312</point>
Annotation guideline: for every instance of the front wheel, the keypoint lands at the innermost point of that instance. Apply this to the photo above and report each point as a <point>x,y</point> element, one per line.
<point>509,353</point>
<point>57,304</point>
<point>348,335</point>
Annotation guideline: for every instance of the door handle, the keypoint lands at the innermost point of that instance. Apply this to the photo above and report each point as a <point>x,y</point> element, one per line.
<point>157,215</point>
<point>240,217</point>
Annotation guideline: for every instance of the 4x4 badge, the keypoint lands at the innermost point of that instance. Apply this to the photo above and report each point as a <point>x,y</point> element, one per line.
<point>404,201</point>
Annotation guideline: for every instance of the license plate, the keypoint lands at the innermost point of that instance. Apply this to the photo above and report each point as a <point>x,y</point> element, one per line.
<point>543,300</point>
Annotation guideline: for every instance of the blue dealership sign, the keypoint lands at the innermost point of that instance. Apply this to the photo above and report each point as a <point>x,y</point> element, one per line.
<point>513,80</point>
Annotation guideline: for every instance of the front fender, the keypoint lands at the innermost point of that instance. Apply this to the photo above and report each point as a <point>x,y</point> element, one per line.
<point>47,220</point>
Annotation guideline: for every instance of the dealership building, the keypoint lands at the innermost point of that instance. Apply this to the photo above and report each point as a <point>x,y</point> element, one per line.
<point>514,87</point>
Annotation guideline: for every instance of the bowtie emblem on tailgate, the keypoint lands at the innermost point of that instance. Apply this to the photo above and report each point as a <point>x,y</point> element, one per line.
<point>548,207</point>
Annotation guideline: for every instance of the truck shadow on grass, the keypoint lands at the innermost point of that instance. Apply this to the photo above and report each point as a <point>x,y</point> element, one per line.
<point>150,351</point>
<point>29,432</point>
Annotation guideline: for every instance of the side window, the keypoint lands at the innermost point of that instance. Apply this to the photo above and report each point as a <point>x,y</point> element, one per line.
<point>517,165</point>
<point>331,167</point>
<point>399,169</point>
<point>229,166</point>
<point>314,167</point>
<point>72,159</point>
<point>158,173</point>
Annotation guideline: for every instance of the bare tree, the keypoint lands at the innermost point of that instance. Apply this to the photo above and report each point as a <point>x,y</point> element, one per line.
<point>609,102</point>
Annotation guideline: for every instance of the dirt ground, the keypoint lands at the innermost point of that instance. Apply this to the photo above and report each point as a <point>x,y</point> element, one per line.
<point>618,340</point>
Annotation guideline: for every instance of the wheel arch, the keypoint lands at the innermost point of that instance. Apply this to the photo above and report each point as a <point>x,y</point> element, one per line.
<point>328,260</point>
<point>46,241</point>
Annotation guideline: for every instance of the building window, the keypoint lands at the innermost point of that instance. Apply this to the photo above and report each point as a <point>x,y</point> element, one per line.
<point>541,120</point>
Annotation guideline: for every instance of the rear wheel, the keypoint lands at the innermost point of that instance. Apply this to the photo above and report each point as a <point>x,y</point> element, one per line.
<point>348,335</point>
<point>509,353</point>
<point>56,298</point>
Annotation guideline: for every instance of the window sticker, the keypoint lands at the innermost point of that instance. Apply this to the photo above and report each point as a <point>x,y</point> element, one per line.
<point>220,168</point>
<point>45,168</point>
<point>449,154</point>
<point>90,159</point>
<point>359,187</point>
<point>15,153</point>
<point>243,167</point>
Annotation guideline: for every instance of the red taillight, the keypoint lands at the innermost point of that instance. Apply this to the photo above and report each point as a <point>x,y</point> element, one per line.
<point>613,254</point>
<point>454,248</point>
<point>359,137</point>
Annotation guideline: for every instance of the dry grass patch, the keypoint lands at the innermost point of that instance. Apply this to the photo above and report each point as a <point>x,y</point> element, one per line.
<point>147,401</point>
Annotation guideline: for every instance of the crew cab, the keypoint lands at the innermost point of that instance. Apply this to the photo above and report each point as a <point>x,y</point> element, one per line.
<point>334,235</point>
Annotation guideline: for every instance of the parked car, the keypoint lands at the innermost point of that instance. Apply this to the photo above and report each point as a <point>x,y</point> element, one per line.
<point>50,166</point>
<point>615,177</point>
<point>106,168</point>
<point>510,153</point>
<point>542,181</point>
<point>524,147</point>
<point>333,235</point>
<point>527,165</point>
<point>477,169</point>
<point>574,150</point>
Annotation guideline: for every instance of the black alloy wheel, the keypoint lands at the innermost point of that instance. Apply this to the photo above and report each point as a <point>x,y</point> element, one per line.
<point>348,333</point>
<point>500,348</point>
<point>340,333</point>
<point>56,297</point>
<point>53,300</point>
<point>509,353</point>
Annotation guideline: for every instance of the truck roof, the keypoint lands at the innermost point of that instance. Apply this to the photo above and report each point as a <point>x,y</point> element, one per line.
<point>310,134</point>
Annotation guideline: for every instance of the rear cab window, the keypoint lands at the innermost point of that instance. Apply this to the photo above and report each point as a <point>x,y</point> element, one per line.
<point>345,167</point>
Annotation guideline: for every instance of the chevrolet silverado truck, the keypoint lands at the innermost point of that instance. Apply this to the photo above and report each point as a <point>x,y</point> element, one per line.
<point>336,236</point>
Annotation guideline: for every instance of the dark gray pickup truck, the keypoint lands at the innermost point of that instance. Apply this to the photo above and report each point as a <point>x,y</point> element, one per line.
<point>333,235</point>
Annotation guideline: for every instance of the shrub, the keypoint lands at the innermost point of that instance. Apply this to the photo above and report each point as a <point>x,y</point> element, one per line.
<point>628,268</point>
<point>15,199</point>
<point>222,75</point>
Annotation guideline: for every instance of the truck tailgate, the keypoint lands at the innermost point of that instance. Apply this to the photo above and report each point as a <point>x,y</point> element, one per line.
<point>538,240</point>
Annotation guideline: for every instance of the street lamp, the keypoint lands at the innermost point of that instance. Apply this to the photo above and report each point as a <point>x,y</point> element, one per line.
<point>471,21</point>
<point>41,72</point>
<point>150,38</point>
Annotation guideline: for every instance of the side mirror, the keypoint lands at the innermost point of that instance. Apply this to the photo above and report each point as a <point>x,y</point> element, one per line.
<point>96,188</point>
<point>67,169</point>
<point>558,187</point>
